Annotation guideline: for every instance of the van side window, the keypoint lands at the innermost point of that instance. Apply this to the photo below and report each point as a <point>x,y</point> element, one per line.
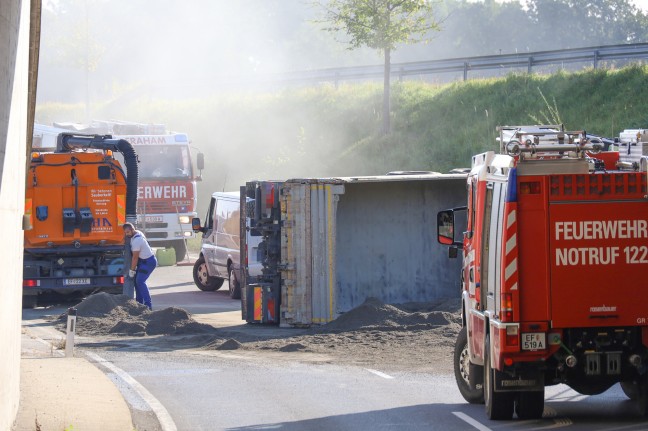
<point>228,217</point>
<point>209,219</point>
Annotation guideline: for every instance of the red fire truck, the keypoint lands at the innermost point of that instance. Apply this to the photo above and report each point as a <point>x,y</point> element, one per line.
<point>555,262</point>
<point>167,195</point>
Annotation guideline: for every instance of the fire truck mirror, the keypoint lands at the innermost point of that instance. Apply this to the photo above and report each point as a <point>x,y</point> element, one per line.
<point>200,161</point>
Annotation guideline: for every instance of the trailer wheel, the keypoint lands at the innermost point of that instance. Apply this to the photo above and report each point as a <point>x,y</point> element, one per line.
<point>234,285</point>
<point>499,405</point>
<point>464,370</point>
<point>530,404</point>
<point>202,279</point>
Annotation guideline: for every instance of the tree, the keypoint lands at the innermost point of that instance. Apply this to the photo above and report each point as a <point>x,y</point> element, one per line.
<point>587,22</point>
<point>380,25</point>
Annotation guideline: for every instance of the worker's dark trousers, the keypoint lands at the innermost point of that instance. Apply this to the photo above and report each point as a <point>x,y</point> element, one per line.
<point>144,269</point>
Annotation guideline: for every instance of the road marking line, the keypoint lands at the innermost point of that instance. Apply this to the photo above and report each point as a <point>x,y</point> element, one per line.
<point>166,422</point>
<point>174,373</point>
<point>464,417</point>
<point>378,373</point>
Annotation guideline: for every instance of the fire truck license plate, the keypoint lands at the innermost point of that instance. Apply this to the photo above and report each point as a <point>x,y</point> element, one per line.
<point>534,340</point>
<point>150,219</point>
<point>75,281</point>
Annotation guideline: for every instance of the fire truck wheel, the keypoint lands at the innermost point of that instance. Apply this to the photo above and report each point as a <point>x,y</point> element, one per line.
<point>499,405</point>
<point>530,404</point>
<point>234,285</point>
<point>202,279</point>
<point>590,388</point>
<point>631,389</point>
<point>642,396</point>
<point>464,369</point>
<point>180,250</point>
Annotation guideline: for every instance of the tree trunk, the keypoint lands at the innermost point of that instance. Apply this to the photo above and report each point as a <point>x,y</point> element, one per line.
<point>386,94</point>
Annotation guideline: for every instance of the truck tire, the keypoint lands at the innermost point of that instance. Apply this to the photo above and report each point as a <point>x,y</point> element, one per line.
<point>180,250</point>
<point>464,370</point>
<point>202,279</point>
<point>29,301</point>
<point>499,405</point>
<point>234,285</point>
<point>631,389</point>
<point>642,396</point>
<point>530,404</point>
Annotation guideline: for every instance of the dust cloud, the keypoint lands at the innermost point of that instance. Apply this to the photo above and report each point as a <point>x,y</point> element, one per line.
<point>220,71</point>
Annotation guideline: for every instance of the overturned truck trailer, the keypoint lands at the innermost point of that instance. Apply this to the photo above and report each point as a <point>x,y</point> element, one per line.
<point>329,244</point>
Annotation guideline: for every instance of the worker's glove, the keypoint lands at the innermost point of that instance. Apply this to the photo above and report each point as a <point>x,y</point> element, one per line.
<point>131,273</point>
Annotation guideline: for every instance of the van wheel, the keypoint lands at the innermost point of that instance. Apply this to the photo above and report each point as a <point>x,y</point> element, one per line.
<point>464,370</point>
<point>234,285</point>
<point>202,279</point>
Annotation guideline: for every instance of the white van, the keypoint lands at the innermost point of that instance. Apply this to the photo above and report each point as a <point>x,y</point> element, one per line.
<point>220,253</point>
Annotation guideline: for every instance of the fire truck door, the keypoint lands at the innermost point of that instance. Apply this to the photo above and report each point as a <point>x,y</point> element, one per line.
<point>492,244</point>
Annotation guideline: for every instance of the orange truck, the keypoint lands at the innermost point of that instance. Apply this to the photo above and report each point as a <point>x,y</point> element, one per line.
<point>77,197</point>
<point>555,264</point>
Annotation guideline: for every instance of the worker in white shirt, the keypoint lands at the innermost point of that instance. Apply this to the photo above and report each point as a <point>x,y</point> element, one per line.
<point>142,264</point>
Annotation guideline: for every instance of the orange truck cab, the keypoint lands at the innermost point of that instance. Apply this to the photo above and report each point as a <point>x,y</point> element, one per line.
<point>554,263</point>
<point>77,198</point>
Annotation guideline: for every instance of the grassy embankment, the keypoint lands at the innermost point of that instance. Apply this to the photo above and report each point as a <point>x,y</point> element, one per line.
<point>327,131</point>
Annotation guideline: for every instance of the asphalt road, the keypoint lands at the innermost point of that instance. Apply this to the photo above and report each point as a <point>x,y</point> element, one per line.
<point>214,390</point>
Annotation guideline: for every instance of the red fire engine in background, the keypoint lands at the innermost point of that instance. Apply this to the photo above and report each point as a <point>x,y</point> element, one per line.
<point>555,264</point>
<point>167,192</point>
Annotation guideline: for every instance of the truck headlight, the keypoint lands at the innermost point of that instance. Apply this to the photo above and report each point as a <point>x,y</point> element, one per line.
<point>184,219</point>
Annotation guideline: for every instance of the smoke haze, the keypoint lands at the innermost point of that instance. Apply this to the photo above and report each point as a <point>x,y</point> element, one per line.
<point>202,67</point>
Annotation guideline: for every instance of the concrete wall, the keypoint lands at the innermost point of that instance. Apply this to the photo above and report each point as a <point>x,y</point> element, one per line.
<point>386,244</point>
<point>14,59</point>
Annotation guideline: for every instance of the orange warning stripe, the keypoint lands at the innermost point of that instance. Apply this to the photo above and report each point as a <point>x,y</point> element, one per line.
<point>121,209</point>
<point>258,304</point>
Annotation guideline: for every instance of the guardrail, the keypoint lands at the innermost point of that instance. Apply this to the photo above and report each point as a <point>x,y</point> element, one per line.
<point>527,60</point>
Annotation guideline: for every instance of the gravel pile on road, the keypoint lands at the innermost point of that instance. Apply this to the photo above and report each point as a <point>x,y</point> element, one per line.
<point>412,336</point>
<point>106,314</point>
<point>374,314</point>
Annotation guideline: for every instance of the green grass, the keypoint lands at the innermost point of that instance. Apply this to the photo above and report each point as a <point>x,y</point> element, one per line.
<point>194,244</point>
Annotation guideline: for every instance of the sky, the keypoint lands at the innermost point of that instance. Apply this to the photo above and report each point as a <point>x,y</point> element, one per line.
<point>641,4</point>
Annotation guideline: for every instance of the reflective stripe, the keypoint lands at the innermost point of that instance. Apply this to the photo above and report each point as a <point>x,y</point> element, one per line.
<point>258,304</point>
<point>511,243</point>
<point>121,209</point>
<point>510,219</point>
<point>510,269</point>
